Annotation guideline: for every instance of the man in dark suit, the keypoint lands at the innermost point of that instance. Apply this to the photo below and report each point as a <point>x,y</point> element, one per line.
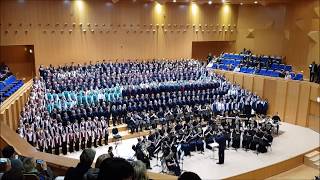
<point>313,71</point>
<point>221,140</point>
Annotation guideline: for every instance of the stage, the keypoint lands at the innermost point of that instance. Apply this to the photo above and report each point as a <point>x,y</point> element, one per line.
<point>294,140</point>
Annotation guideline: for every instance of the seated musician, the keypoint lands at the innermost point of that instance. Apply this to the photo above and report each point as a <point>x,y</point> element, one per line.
<point>171,164</point>
<point>208,136</point>
<point>276,120</point>
<point>141,155</point>
<point>236,139</point>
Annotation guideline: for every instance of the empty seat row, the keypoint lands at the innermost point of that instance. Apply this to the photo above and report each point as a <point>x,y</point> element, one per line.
<point>233,56</point>
<point>9,86</point>
<point>251,70</point>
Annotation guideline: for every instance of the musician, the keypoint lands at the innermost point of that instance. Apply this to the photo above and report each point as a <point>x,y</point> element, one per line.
<point>141,155</point>
<point>153,119</point>
<point>221,140</point>
<point>276,120</point>
<point>236,139</point>
<point>171,163</point>
<point>208,136</point>
<point>110,152</point>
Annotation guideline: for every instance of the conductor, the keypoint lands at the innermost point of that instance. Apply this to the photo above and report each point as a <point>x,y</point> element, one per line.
<point>221,140</point>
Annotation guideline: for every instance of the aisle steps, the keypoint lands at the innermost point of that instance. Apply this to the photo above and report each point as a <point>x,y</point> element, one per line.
<point>312,159</point>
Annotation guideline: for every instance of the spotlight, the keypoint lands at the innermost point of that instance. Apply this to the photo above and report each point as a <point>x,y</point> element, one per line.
<point>209,2</point>
<point>174,1</point>
<point>241,3</point>
<point>256,2</point>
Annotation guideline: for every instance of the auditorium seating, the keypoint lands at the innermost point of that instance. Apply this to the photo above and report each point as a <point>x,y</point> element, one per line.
<point>9,86</point>
<point>269,65</point>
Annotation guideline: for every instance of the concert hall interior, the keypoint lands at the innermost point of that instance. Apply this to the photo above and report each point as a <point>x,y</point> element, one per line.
<point>159,89</point>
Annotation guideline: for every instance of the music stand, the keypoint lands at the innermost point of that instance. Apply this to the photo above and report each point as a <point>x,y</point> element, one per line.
<point>181,159</point>
<point>213,146</point>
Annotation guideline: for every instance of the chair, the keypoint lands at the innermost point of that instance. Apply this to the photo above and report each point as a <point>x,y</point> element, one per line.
<point>243,69</point>
<point>116,136</point>
<point>269,72</point>
<point>31,177</point>
<point>282,67</point>
<point>288,68</point>
<point>275,66</point>
<point>250,70</point>
<point>275,74</point>
<point>298,77</point>
<point>263,72</point>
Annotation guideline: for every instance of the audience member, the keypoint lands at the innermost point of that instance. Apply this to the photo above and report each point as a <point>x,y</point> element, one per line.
<point>86,160</point>
<point>93,173</point>
<point>313,71</point>
<point>38,168</point>
<point>13,174</point>
<point>9,152</point>
<point>140,170</point>
<point>189,176</point>
<point>5,165</point>
<point>116,169</point>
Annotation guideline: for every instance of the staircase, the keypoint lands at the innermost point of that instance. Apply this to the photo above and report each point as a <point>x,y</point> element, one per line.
<point>312,159</point>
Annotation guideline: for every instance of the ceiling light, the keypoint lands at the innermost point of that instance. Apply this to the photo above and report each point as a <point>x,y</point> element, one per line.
<point>241,3</point>
<point>174,1</point>
<point>256,2</point>
<point>223,1</point>
<point>210,2</point>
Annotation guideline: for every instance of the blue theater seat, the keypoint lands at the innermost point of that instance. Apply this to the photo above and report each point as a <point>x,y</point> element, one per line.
<point>250,70</point>
<point>282,67</point>
<point>269,72</point>
<point>298,77</point>
<point>275,66</point>
<point>263,72</point>
<point>275,74</point>
<point>288,68</point>
<point>243,69</point>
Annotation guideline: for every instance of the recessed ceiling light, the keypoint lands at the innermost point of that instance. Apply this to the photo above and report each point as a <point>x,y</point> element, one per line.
<point>174,1</point>
<point>210,2</point>
<point>256,2</point>
<point>241,3</point>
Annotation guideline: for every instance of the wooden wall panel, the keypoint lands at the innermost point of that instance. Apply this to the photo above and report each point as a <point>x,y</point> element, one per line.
<point>238,79</point>
<point>314,92</point>
<point>19,59</point>
<point>229,76</point>
<point>269,91</point>
<point>303,107</point>
<point>292,102</point>
<point>314,123</point>
<point>258,84</point>
<point>281,97</point>
<point>248,82</point>
<point>314,108</point>
<point>136,37</point>
<point>200,49</point>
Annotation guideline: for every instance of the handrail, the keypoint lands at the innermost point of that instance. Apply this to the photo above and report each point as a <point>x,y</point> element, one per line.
<point>23,148</point>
